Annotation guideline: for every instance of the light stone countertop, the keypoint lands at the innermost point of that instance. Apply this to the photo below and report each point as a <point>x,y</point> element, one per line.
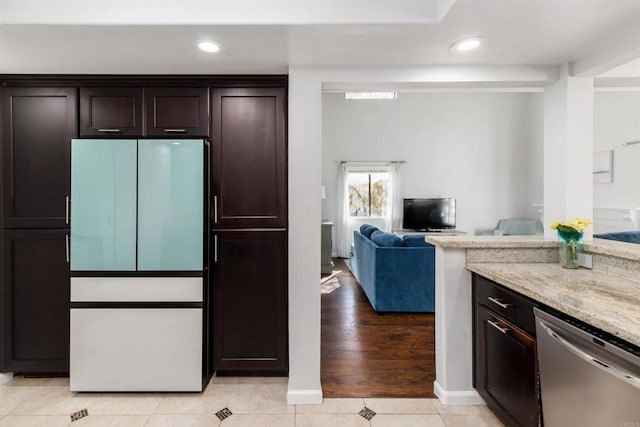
<point>605,301</point>
<point>491,242</point>
<point>624,250</point>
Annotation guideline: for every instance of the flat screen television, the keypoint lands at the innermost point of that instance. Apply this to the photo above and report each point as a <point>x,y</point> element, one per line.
<point>429,214</point>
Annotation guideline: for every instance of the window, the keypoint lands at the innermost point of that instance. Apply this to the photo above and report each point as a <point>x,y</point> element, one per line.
<point>368,193</point>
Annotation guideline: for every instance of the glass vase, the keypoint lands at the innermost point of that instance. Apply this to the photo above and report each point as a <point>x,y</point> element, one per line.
<point>570,246</point>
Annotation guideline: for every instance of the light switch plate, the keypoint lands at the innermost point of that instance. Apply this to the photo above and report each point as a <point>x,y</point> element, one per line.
<point>585,260</point>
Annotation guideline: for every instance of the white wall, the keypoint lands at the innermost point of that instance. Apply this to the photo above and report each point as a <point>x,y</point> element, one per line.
<point>617,120</point>
<point>484,149</point>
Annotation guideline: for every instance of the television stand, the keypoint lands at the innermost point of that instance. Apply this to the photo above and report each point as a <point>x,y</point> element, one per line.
<point>433,232</point>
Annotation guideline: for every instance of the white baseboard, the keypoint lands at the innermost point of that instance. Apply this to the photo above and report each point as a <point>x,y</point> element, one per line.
<point>5,377</point>
<point>304,397</point>
<point>470,397</point>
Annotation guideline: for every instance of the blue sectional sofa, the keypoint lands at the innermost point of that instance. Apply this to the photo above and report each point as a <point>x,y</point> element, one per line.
<point>621,236</point>
<point>397,274</point>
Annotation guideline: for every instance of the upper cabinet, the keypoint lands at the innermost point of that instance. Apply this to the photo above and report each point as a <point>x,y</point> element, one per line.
<point>37,126</point>
<point>115,111</point>
<point>168,111</point>
<point>249,173</point>
<point>174,111</point>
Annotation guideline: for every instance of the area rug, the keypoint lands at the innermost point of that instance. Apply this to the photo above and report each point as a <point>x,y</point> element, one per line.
<point>330,283</point>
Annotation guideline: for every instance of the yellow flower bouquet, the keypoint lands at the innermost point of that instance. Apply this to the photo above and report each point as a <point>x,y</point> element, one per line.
<point>570,239</point>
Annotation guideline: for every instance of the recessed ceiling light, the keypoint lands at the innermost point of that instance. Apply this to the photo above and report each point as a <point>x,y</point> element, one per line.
<point>209,46</point>
<point>466,45</point>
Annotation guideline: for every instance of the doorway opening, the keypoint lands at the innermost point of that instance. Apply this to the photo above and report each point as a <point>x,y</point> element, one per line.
<point>365,354</point>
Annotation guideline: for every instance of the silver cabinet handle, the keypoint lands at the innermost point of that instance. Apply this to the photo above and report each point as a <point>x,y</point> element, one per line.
<point>498,327</point>
<point>621,374</point>
<point>215,248</point>
<point>215,209</point>
<point>498,302</point>
<point>66,211</point>
<point>109,130</point>
<point>175,130</point>
<point>66,242</point>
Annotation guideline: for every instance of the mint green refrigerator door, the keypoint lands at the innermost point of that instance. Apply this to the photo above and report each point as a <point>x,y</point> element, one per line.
<point>170,205</point>
<point>103,205</point>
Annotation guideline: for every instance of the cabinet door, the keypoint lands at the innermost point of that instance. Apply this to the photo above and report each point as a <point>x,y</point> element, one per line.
<point>111,111</point>
<point>249,169</point>
<point>505,369</point>
<point>250,301</point>
<point>175,111</point>
<point>37,127</point>
<point>170,205</point>
<point>36,301</point>
<point>103,205</point>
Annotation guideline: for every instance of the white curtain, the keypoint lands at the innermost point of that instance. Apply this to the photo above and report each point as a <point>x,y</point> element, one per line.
<point>343,241</point>
<point>395,198</point>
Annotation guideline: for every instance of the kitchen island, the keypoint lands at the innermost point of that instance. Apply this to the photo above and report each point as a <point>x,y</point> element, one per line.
<point>603,296</point>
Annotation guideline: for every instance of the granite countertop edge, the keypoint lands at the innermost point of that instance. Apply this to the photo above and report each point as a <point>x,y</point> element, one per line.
<point>624,250</point>
<point>605,301</point>
<point>489,242</point>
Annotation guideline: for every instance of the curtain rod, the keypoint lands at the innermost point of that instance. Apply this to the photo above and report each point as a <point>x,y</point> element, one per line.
<point>370,161</point>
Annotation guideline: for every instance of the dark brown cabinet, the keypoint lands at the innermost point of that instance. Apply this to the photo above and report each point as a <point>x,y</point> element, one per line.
<point>250,302</point>
<point>505,367</point>
<point>249,167</point>
<point>36,301</point>
<point>111,111</point>
<point>175,111</point>
<point>244,117</point>
<point>37,127</point>
<point>249,218</point>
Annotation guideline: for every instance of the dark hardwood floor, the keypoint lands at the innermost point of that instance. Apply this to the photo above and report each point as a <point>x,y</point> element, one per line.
<point>365,354</point>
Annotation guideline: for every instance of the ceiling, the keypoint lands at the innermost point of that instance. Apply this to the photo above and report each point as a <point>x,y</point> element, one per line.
<point>55,39</point>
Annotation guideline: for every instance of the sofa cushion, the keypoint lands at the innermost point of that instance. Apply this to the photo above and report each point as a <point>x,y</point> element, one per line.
<point>381,238</point>
<point>622,236</point>
<point>518,226</point>
<point>415,240</point>
<point>367,230</point>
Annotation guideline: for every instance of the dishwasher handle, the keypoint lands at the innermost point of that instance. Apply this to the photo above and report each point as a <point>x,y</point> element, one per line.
<point>621,374</point>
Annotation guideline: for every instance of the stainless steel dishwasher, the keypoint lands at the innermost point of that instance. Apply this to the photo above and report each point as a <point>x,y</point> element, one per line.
<point>587,378</point>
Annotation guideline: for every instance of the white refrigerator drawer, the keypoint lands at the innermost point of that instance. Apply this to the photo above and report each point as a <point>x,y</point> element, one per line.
<point>137,289</point>
<point>140,349</point>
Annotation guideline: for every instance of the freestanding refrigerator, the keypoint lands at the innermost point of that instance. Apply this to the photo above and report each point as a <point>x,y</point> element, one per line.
<point>138,252</point>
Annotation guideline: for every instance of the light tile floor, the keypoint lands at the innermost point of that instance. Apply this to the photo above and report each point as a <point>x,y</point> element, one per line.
<point>253,402</point>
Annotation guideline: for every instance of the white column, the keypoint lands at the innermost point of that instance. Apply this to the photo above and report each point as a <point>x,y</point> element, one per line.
<point>568,151</point>
<point>305,150</point>
<point>454,330</point>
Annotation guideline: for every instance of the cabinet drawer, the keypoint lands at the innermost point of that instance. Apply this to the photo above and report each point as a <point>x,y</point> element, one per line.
<point>136,349</point>
<point>511,305</point>
<point>136,289</point>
